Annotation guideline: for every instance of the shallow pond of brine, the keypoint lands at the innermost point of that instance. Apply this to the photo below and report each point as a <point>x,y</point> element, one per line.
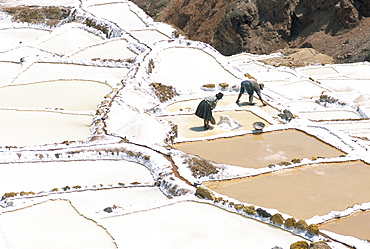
<point>305,191</point>
<point>260,150</point>
<point>357,225</point>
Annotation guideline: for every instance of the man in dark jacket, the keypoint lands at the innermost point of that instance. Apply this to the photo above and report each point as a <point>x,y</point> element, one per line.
<point>250,86</point>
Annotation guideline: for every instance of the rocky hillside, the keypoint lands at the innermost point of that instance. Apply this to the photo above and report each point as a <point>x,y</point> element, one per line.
<point>338,28</point>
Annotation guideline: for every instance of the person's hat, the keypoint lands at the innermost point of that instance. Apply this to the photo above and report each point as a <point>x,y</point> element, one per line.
<point>219,95</point>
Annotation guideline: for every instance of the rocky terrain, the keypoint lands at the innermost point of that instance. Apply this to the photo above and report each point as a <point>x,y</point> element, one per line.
<point>337,28</point>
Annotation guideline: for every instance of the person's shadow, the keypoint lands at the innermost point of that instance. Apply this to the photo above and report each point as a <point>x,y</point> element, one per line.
<point>199,128</point>
<point>245,104</point>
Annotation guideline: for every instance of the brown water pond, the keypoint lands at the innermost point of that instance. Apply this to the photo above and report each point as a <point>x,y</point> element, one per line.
<point>303,192</point>
<point>357,225</point>
<point>260,150</point>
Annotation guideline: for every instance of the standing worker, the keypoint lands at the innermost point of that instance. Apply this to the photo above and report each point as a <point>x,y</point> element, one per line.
<point>250,86</point>
<point>205,107</point>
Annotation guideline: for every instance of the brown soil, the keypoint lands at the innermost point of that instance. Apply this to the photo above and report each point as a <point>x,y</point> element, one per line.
<point>200,167</point>
<point>49,15</point>
<point>338,29</point>
<point>299,57</point>
<point>163,92</point>
<point>340,34</point>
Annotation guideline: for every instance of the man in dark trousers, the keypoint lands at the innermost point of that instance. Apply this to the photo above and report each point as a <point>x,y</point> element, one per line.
<point>250,86</point>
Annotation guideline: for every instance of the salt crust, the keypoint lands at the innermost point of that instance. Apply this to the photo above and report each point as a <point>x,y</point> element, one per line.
<point>356,150</point>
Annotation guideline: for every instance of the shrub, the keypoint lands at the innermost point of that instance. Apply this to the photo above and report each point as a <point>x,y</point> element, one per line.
<point>10,194</point>
<point>284,163</point>
<point>49,15</point>
<point>239,206</point>
<point>201,167</point>
<point>209,86</point>
<point>223,85</point>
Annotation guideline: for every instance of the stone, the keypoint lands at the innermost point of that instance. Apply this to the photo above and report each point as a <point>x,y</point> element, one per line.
<point>239,206</point>
<point>299,245</point>
<point>313,229</point>
<point>108,209</point>
<point>286,115</point>
<point>205,193</point>
<point>218,199</point>
<point>319,245</point>
<point>66,188</point>
<point>249,210</point>
<point>296,160</point>
<point>277,219</point>
<point>263,213</point>
<point>301,225</point>
<point>290,223</point>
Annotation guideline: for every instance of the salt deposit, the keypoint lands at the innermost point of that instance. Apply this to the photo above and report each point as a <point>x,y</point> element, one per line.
<point>119,118</point>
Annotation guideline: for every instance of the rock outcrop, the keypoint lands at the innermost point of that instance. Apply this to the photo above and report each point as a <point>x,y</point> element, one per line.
<point>338,28</point>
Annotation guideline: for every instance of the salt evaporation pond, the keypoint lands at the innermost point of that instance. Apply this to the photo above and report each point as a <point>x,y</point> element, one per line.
<point>24,53</point>
<point>21,128</point>
<point>356,225</point>
<point>347,85</point>
<point>49,112</point>
<point>261,149</point>
<point>303,89</point>
<point>58,71</point>
<point>198,226</point>
<point>178,67</point>
<point>80,173</point>
<point>149,35</point>
<point>227,102</point>
<point>12,37</point>
<point>69,40</point>
<point>11,68</point>
<point>72,95</point>
<point>42,226</point>
<point>144,209</point>
<point>113,49</point>
<point>305,191</point>
<point>129,198</point>
<point>190,126</point>
<point>119,13</point>
<point>359,129</point>
<point>330,115</point>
